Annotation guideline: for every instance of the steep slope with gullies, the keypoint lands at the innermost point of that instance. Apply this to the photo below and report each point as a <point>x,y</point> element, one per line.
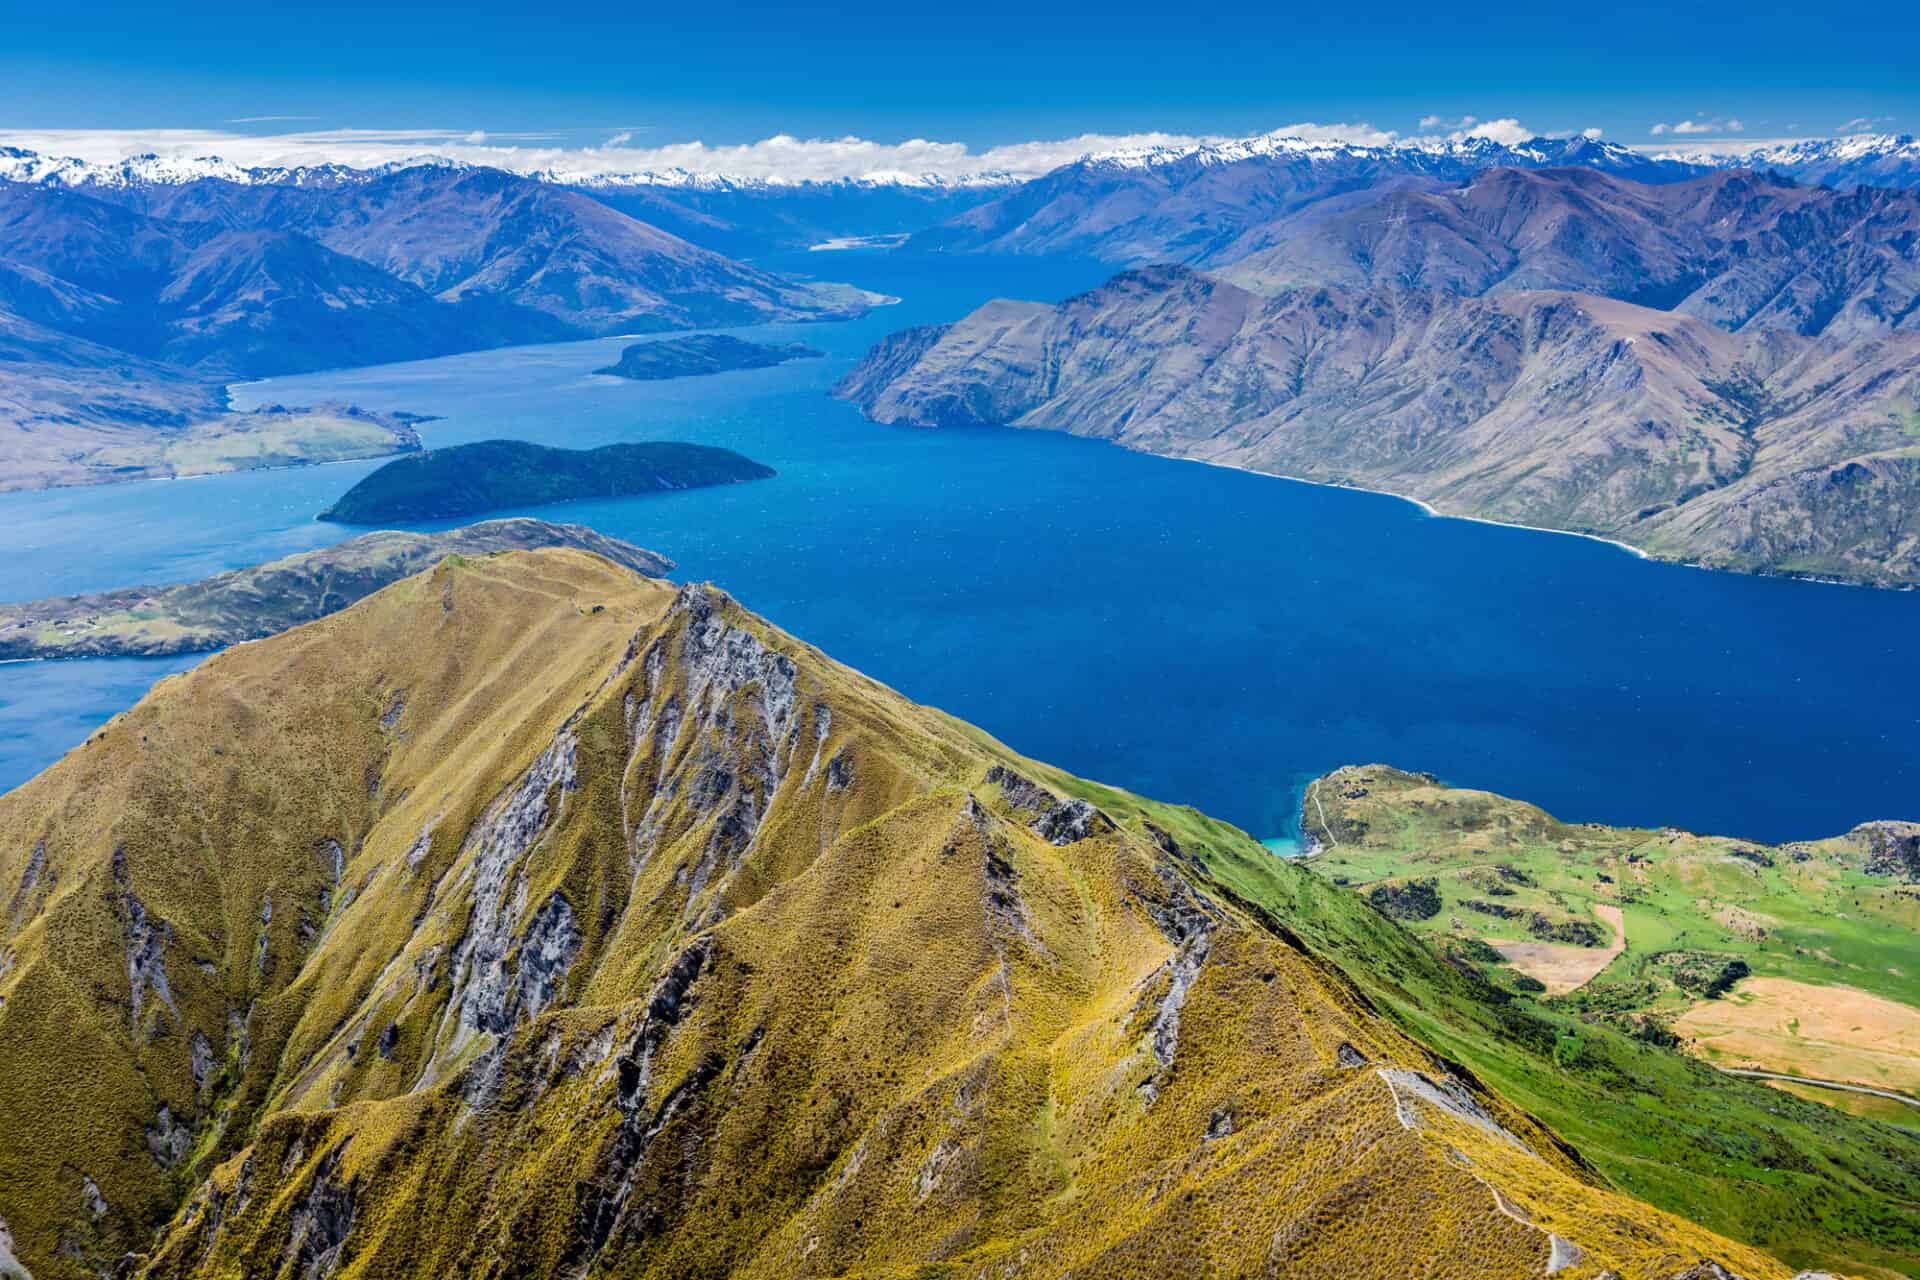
<point>533,918</point>
<point>1760,451</point>
<point>1744,251</point>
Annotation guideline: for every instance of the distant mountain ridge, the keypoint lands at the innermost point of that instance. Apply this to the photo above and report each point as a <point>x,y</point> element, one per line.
<point>1760,450</point>
<point>129,293</point>
<point>746,213</point>
<point>1190,204</point>
<point>1868,159</point>
<point>1742,250</point>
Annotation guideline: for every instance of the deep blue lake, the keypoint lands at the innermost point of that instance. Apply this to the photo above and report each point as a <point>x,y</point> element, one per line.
<point>1192,633</point>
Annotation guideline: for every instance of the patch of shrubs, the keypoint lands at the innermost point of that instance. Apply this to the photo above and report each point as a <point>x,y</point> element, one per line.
<point>1497,910</point>
<point>1477,949</point>
<point>1703,973</point>
<point>1413,900</point>
<point>1577,933</point>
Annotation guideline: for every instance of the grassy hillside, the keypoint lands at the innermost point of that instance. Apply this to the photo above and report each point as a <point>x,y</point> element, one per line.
<point>1835,916</point>
<point>625,935</point>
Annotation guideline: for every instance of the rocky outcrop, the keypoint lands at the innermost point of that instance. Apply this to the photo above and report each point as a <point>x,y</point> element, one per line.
<point>489,990</point>
<point>10,1268</point>
<point>319,1226</point>
<point>1893,849</point>
<point>1058,821</point>
<point>168,1139</point>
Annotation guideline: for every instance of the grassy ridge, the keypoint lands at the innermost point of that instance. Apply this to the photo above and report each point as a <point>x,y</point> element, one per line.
<point>636,937</point>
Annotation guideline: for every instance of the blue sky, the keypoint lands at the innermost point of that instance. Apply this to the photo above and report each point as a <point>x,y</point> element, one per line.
<point>985,73</point>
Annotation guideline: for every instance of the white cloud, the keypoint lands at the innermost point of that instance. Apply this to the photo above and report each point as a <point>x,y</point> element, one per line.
<point>1592,133</point>
<point>1865,124</point>
<point>621,139</point>
<point>1686,128</point>
<point>1507,131</point>
<point>1359,132</point>
<point>477,138</point>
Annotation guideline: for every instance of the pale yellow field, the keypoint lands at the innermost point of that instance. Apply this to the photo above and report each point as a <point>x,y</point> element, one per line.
<point>1564,968</point>
<point>1829,1033</point>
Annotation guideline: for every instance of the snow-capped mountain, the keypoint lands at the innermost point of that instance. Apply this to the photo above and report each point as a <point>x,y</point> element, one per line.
<point>1188,203</point>
<point>676,178</point>
<point>17,165</point>
<point>1285,147</point>
<point>1860,160</point>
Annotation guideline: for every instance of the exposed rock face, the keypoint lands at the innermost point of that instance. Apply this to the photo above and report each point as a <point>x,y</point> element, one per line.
<point>320,1224</point>
<point>1060,821</point>
<point>1893,849</point>
<point>168,1139</point>
<point>10,1268</point>
<point>489,992</point>
<point>30,879</point>
<point>146,959</point>
<point>1758,451</point>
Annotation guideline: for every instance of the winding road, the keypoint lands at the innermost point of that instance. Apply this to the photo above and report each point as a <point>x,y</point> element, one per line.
<point>1821,1084</point>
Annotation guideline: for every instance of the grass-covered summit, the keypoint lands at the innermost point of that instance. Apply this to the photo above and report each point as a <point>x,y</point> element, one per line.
<point>489,475</point>
<point>531,917</point>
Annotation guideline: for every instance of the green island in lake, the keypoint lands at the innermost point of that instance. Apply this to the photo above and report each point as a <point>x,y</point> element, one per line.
<point>489,475</point>
<point>699,354</point>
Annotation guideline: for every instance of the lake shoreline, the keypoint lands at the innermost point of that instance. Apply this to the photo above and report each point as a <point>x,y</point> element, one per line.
<point>1429,509</point>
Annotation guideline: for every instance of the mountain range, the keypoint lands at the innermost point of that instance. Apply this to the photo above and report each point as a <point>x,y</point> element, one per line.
<point>1744,251</point>
<point>1759,449</point>
<point>128,299</point>
<point>635,936</point>
<point>257,278</point>
<point>1141,204</point>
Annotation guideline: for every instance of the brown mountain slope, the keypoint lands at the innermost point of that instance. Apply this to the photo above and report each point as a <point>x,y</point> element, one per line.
<point>1743,251</point>
<point>531,918</point>
<point>1759,451</point>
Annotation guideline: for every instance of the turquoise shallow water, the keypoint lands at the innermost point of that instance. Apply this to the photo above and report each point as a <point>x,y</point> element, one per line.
<point>1193,633</point>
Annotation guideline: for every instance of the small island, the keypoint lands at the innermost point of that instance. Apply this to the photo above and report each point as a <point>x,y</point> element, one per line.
<point>248,604</point>
<point>700,354</point>
<point>490,475</point>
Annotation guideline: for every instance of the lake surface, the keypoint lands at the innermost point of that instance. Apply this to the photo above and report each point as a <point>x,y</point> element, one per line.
<point>1196,634</point>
